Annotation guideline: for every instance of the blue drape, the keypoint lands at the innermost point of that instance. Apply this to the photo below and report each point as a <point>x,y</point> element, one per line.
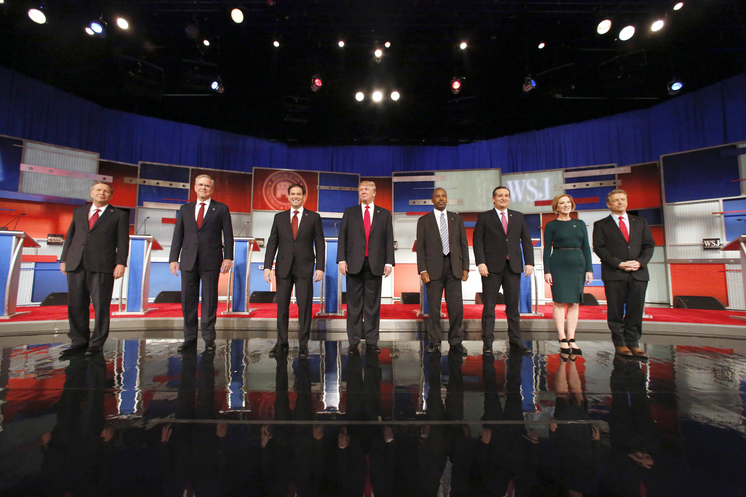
<point>711,116</point>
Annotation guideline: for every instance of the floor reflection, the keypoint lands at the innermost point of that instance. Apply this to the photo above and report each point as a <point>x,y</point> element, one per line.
<point>142,420</point>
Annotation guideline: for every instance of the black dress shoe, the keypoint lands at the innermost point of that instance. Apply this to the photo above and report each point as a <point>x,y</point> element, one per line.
<point>92,351</point>
<point>459,349</point>
<point>210,346</point>
<point>73,351</point>
<point>353,349</point>
<point>487,349</point>
<point>519,347</point>
<point>279,348</point>
<point>432,348</point>
<point>186,346</point>
<point>375,349</point>
<point>303,352</point>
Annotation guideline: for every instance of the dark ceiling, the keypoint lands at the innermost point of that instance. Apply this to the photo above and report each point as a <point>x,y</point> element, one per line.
<point>153,68</point>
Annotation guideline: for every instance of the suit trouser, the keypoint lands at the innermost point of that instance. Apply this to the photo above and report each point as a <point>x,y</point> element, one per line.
<point>454,304</point>
<point>511,285</point>
<point>83,287</point>
<point>363,295</point>
<point>626,304</point>
<point>190,281</point>
<point>303,282</point>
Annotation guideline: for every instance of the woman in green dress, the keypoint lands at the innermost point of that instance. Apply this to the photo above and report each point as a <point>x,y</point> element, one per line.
<point>567,268</point>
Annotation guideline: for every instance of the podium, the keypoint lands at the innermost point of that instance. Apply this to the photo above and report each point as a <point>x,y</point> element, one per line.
<point>739,244</point>
<point>11,245</point>
<point>239,278</point>
<point>138,276</point>
<point>331,285</point>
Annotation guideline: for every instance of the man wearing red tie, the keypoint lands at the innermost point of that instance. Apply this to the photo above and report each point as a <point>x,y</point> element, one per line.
<point>625,245</point>
<point>204,237</point>
<point>298,239</point>
<point>93,256</point>
<point>365,254</point>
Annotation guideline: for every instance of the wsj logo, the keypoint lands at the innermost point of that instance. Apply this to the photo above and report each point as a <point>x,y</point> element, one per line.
<point>528,190</point>
<point>711,243</point>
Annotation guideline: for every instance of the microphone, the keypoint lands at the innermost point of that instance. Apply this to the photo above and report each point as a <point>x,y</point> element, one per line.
<point>244,227</point>
<point>142,224</point>
<point>16,219</point>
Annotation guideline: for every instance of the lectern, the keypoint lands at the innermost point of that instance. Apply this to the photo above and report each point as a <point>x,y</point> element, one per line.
<point>11,244</point>
<point>239,283</point>
<point>138,276</point>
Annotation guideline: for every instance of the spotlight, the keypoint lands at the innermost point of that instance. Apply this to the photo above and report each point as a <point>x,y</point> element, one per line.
<point>395,96</point>
<point>456,84</point>
<point>603,27</point>
<point>206,42</point>
<point>674,86</point>
<point>122,23</point>
<point>542,45</point>
<point>37,16</point>
<point>626,33</point>
<point>316,82</point>
<point>378,53</point>
<point>657,25</point>
<point>359,96</point>
<point>678,6</point>
<point>341,43</point>
<point>377,96</point>
<point>97,27</point>
<point>276,44</point>
<point>528,84</point>
<point>463,45</point>
<point>217,86</point>
<point>387,44</point>
<point>237,15</point>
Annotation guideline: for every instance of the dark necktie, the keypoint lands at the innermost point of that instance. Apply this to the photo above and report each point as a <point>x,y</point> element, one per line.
<point>623,228</point>
<point>294,224</point>
<point>366,223</point>
<point>93,220</point>
<point>200,215</point>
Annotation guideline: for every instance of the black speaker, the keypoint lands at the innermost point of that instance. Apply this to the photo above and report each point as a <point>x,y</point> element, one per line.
<point>589,299</point>
<point>263,297</point>
<point>697,302</point>
<point>410,298</point>
<point>56,298</point>
<point>168,297</point>
<point>478,298</point>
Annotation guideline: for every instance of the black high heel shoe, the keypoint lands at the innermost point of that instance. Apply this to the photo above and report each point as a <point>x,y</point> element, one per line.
<point>574,350</point>
<point>564,349</point>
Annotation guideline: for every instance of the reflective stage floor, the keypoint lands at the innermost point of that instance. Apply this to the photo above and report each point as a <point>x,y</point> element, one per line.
<point>142,420</point>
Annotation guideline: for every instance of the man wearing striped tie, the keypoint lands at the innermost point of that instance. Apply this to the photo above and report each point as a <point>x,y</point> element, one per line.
<point>443,263</point>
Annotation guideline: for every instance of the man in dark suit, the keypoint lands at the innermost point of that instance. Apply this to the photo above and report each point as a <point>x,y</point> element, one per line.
<point>443,262</point>
<point>365,253</point>
<point>93,256</point>
<point>625,245</point>
<point>499,238</point>
<point>204,237</point>
<point>295,233</point>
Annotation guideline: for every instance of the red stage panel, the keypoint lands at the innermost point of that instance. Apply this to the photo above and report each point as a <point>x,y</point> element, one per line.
<point>271,188</point>
<point>701,280</point>
<point>657,232</point>
<point>643,186</point>
<point>406,278</point>
<point>40,219</point>
<point>384,189</point>
<point>125,194</point>
<point>233,189</point>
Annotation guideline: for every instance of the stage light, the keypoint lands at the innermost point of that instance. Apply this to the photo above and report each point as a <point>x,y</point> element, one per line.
<point>276,44</point>
<point>456,84</point>
<point>528,84</point>
<point>603,27</point>
<point>122,23</point>
<point>674,86</point>
<point>206,42</point>
<point>378,53</point>
<point>316,82</point>
<point>377,96</point>
<point>657,25</point>
<point>463,45</point>
<point>542,45</point>
<point>387,44</point>
<point>217,86</point>
<point>237,16</point>
<point>626,33</point>
<point>395,96</point>
<point>341,43</point>
<point>359,96</point>
<point>678,6</point>
<point>37,16</point>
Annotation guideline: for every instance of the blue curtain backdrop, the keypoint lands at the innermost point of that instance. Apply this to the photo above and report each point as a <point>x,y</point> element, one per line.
<point>708,117</point>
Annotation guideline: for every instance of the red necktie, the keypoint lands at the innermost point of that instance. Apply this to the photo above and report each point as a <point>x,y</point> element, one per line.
<point>93,220</point>
<point>505,225</point>
<point>200,215</point>
<point>623,228</point>
<point>294,224</point>
<point>366,223</point>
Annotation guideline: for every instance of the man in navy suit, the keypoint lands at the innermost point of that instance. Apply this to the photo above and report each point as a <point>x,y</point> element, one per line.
<point>364,255</point>
<point>204,237</point>
<point>443,262</point>
<point>298,239</point>
<point>93,256</point>
<point>625,246</point>
<point>500,236</point>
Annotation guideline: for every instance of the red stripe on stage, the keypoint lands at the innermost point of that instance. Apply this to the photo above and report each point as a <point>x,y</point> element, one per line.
<point>584,200</point>
<point>418,213</point>
<point>168,220</point>
<point>38,258</point>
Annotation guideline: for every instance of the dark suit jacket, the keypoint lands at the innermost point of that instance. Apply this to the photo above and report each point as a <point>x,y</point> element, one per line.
<point>101,248</point>
<point>352,240</point>
<point>430,246</point>
<point>207,242</point>
<point>611,247</point>
<point>492,246</point>
<point>298,251</point>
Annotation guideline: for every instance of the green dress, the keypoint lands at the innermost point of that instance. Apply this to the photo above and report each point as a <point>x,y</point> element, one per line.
<point>567,256</point>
